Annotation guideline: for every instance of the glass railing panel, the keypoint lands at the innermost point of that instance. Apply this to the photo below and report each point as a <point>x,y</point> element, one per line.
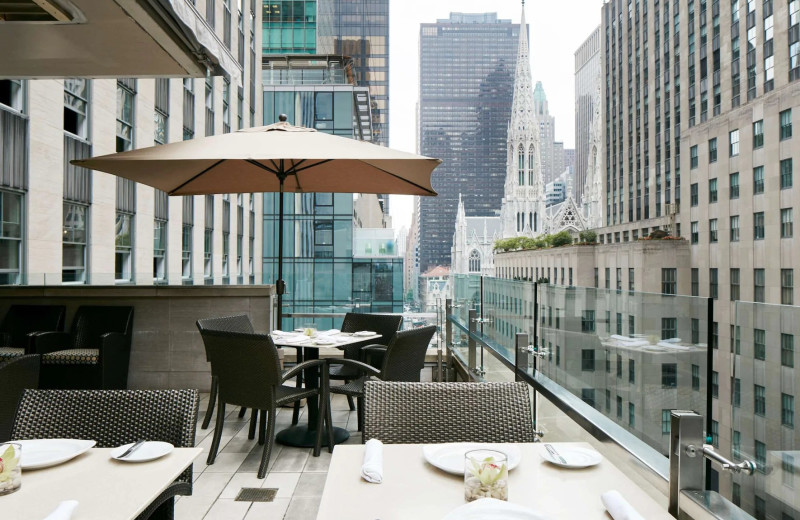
<point>466,296</point>
<point>508,309</point>
<point>763,399</point>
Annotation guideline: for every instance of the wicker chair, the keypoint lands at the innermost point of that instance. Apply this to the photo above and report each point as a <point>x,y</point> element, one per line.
<point>424,413</point>
<point>403,360</point>
<point>15,376</point>
<point>386,325</point>
<point>95,354</point>
<point>248,373</point>
<point>113,418</point>
<point>21,321</point>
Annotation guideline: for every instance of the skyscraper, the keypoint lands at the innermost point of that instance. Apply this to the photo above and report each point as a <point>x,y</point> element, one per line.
<point>547,134</point>
<point>465,99</point>
<point>587,77</point>
<point>289,26</point>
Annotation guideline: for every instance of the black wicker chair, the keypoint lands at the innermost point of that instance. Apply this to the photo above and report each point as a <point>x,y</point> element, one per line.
<point>403,360</point>
<point>21,321</point>
<point>386,325</point>
<point>15,376</point>
<point>95,354</point>
<point>424,413</point>
<point>113,418</point>
<point>248,372</point>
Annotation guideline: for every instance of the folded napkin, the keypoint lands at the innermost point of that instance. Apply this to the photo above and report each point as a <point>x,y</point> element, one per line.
<point>618,507</point>
<point>372,468</point>
<point>328,332</point>
<point>63,511</point>
<point>491,509</point>
<point>281,333</point>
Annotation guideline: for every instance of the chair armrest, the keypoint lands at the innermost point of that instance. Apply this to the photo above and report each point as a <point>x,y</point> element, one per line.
<point>370,350</point>
<point>312,363</point>
<point>358,365</point>
<point>46,342</point>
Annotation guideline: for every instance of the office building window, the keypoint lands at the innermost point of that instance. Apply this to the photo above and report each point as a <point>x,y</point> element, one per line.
<point>736,494</point>
<point>712,231</point>
<point>787,410</point>
<point>758,180</point>
<point>786,122</point>
<point>695,282</point>
<point>758,285</point>
<point>786,173</point>
<point>608,277</point>
<point>161,112</point>
<point>695,233</point>
<point>587,395</point>
<point>715,433</point>
<point>695,377</point>
<point>787,286</point>
<point>126,92</point>
<point>631,325</point>
<point>758,225</point>
<point>631,371</point>
<point>787,350</point>
<point>787,477</point>
<point>587,359</point>
<point>188,108</point>
<point>712,190</point>
<point>759,344</point>
<point>669,375</point>
<point>713,282</point>
<point>619,278</point>
<point>693,157</point>
<point>124,239</point>
<point>735,228</point>
<point>733,140</point>
<point>208,241</point>
<point>619,366</point>
<point>695,331</point>
<point>669,280</point>
<point>736,443</point>
<point>758,134</point>
<point>631,279</point>
<point>759,400</point>
<point>715,384</point>
<point>587,321</point>
<point>226,105</point>
<point>693,195</point>
<point>619,408</point>
<point>787,223</point>
<point>74,243</point>
<point>669,328</point>
<point>734,181</point>
<point>735,284</point>
<point>712,150</point>
<point>631,415</point>
<point>596,277</point>
<point>209,104</point>
<point>186,238</point>
<point>76,106</point>
<point>11,233</point>
<point>159,250</point>
<point>558,355</point>
<point>608,400</point>
<point>737,392</point>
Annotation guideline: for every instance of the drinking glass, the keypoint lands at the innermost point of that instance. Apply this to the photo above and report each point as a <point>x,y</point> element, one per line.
<point>310,329</point>
<point>10,471</point>
<point>485,475</point>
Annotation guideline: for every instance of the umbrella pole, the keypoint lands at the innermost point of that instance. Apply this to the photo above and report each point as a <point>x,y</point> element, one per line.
<point>280,285</point>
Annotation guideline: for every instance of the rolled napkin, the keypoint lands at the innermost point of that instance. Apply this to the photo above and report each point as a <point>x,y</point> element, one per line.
<point>63,511</point>
<point>618,507</point>
<point>372,468</point>
<point>491,509</point>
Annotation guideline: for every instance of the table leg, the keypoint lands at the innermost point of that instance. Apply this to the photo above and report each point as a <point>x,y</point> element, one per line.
<point>305,436</point>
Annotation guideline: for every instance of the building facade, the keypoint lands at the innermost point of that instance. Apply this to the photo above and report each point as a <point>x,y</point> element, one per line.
<point>465,99</point>
<point>587,81</point>
<point>473,243</point>
<point>289,27</point>
<point>69,225</point>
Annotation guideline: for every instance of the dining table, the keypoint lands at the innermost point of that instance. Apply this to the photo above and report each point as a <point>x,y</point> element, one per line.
<point>414,488</point>
<point>106,489</point>
<point>304,435</point>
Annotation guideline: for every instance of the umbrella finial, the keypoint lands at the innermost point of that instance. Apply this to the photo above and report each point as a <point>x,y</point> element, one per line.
<point>283,118</point>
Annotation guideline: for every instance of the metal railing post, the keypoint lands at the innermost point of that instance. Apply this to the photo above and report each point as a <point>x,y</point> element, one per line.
<point>471,345</point>
<point>448,337</point>
<point>686,466</point>
<point>522,356</point>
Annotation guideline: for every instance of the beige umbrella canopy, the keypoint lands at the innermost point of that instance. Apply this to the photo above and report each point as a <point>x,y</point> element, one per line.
<point>275,158</point>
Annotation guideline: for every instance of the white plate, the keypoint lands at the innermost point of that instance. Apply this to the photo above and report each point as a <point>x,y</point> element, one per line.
<point>450,457</point>
<point>365,333</point>
<point>43,453</point>
<point>492,509</point>
<point>323,341</point>
<point>576,457</point>
<point>150,450</point>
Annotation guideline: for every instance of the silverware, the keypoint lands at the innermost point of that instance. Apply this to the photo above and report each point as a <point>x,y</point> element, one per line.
<point>554,453</point>
<point>136,446</point>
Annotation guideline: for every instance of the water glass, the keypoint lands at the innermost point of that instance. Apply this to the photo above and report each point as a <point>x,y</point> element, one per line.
<point>485,475</point>
<point>310,330</point>
<point>10,471</point>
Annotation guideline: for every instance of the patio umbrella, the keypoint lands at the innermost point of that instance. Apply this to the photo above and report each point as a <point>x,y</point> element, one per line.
<point>276,158</point>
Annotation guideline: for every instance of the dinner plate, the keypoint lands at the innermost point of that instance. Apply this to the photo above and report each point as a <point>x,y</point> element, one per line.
<point>150,450</point>
<point>492,509</point>
<point>323,341</point>
<point>450,457</point>
<point>364,333</point>
<point>575,456</point>
<point>43,453</point>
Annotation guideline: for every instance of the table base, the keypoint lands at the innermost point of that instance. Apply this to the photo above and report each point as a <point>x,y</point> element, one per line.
<point>302,437</point>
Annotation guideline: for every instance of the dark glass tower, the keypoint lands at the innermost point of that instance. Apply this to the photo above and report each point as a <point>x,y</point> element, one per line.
<point>289,27</point>
<point>467,65</point>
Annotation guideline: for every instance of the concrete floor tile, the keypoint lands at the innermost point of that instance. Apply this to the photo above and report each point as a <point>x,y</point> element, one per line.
<point>269,510</point>
<point>310,485</point>
<point>291,460</point>
<point>224,509</point>
<point>285,483</point>
<point>239,481</point>
<point>302,508</point>
<point>226,463</point>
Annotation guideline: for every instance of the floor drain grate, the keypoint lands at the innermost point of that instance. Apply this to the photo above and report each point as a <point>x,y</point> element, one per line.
<point>256,495</point>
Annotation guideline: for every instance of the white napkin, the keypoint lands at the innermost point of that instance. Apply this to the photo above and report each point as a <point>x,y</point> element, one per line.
<point>491,509</point>
<point>618,507</point>
<point>328,332</point>
<point>281,333</point>
<point>372,468</point>
<point>63,511</point>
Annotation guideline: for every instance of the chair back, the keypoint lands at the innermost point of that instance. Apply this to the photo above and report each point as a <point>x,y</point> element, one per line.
<point>92,321</point>
<point>21,320</point>
<point>236,323</point>
<point>405,354</point>
<point>15,376</point>
<point>246,366</point>
<point>422,413</point>
<point>386,325</point>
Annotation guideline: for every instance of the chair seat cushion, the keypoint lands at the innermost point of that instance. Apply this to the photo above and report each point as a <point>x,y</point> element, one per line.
<point>353,388</point>
<point>73,356</point>
<point>343,372</point>
<point>290,394</point>
<point>7,353</point>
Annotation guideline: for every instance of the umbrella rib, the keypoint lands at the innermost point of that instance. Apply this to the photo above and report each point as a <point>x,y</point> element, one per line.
<point>403,179</point>
<point>172,192</point>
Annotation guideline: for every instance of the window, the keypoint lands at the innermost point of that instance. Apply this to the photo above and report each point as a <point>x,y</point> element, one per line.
<point>186,238</point>
<point>693,157</point>
<point>188,108</point>
<point>631,278</point>
<point>608,400</point>
<point>596,277</point>
<point>712,190</point>
<point>758,225</point>
<point>208,241</point>
<point>695,331</point>
<point>76,106</point>
<point>787,410</point>
<point>733,138</point>
<point>737,392</point>
<point>712,150</point>
<point>631,415</point>
<point>587,395</point>
<point>713,283</point>
<point>736,493</point>
<point>558,355</point>
<point>758,134</point>
<point>126,91</point>
<point>786,124</point>
<point>631,371</point>
<point>587,321</point>
<point>787,286</point>
<point>759,344</point>
<point>759,401</point>
<point>669,280</point>
<point>12,94</point>
<point>734,181</point>
<point>737,445</point>
<point>608,278</point>
<point>474,261</point>
<point>665,421</point>
<point>11,232</point>
<point>787,467</point>
<point>735,284</point>
<point>619,408</point>
<point>209,104</point>
<point>695,282</point>
<point>74,243</point>
<point>159,249</point>
<point>787,350</point>
<point>226,102</point>
<point>787,230</point>
<point>758,285</point>
<point>761,465</point>
<point>695,233</point>
<point>786,173</point>
<point>619,366</point>
<point>669,375</point>
<point>758,180</point>
<point>161,112</point>
<point>124,239</point>
<point>715,433</point>
<point>587,359</point>
<point>619,278</point>
<point>735,228</point>
<point>712,231</point>
<point>693,196</point>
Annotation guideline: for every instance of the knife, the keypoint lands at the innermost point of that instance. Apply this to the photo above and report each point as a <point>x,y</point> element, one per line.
<point>554,453</point>
<point>134,447</point>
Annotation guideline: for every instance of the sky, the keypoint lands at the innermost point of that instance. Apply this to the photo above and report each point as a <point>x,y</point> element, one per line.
<point>557,29</point>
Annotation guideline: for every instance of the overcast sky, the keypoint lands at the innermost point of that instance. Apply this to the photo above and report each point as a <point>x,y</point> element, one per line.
<point>557,29</point>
